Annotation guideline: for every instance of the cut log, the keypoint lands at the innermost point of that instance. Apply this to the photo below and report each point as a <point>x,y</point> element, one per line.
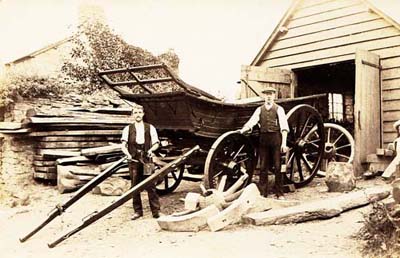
<point>192,222</point>
<point>236,210</point>
<point>322,209</point>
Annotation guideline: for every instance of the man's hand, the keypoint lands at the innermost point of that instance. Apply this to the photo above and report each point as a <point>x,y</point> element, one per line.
<point>284,148</point>
<point>129,157</point>
<point>150,154</point>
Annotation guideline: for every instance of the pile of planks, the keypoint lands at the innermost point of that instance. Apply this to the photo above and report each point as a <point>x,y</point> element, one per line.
<point>85,138</point>
<point>82,139</point>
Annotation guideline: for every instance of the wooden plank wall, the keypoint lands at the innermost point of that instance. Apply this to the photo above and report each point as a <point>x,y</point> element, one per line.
<point>326,31</point>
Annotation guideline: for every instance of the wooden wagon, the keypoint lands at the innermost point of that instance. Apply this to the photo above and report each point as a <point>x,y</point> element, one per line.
<point>186,116</point>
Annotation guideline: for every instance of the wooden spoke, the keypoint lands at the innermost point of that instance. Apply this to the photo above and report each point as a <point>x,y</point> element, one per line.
<point>306,139</point>
<point>299,168</point>
<point>344,146</point>
<point>338,139</point>
<point>328,137</point>
<point>306,162</point>
<point>237,153</point>
<point>305,126</point>
<point>343,156</point>
<point>231,155</point>
<point>171,181</point>
<point>174,176</point>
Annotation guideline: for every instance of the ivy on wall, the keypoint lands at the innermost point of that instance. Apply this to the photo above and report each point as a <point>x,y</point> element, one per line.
<point>95,47</point>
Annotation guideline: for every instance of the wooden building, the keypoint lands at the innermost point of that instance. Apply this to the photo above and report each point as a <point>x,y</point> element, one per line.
<point>347,48</point>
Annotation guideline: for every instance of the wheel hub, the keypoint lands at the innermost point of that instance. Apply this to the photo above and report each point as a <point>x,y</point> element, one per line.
<point>301,144</point>
<point>330,151</point>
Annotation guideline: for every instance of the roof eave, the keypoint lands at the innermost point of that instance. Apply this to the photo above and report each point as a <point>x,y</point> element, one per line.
<point>274,34</point>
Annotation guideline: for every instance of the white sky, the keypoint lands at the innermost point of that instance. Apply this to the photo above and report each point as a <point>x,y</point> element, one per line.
<point>213,38</point>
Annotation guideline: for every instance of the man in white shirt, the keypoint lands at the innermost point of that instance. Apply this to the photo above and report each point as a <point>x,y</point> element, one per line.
<point>139,141</point>
<point>273,137</point>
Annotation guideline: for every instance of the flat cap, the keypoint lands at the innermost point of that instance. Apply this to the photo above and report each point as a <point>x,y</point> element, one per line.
<point>268,89</point>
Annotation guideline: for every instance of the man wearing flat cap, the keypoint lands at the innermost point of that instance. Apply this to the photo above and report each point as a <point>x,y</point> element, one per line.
<point>273,134</point>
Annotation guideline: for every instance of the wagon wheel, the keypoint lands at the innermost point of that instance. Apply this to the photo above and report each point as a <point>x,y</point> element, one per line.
<point>339,144</point>
<point>233,155</point>
<point>171,181</point>
<point>305,154</point>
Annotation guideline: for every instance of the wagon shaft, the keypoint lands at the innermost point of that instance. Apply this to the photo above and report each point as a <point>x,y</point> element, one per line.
<point>128,195</point>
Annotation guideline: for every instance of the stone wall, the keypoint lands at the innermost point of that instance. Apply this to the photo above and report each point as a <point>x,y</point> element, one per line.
<point>16,156</point>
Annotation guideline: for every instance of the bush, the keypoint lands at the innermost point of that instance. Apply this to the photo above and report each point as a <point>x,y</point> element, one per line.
<point>380,235</point>
<point>97,47</point>
<point>16,85</point>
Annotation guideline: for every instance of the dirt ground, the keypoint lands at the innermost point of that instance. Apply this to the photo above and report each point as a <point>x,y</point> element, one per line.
<point>115,235</point>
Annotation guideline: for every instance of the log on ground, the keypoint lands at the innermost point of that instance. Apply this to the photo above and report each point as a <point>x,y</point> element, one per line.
<point>323,209</point>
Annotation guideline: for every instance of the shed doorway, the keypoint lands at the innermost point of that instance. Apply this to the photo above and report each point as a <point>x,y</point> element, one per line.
<point>338,81</point>
<point>354,92</point>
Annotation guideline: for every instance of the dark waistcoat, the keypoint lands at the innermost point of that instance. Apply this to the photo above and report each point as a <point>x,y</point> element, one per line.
<point>269,119</point>
<point>133,146</point>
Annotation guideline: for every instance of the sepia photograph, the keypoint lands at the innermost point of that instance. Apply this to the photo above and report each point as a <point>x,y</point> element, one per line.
<point>187,128</point>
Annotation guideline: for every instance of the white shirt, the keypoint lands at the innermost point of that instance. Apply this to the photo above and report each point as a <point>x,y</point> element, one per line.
<point>140,133</point>
<point>255,118</point>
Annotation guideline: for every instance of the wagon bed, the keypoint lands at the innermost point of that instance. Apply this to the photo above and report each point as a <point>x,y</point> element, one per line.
<point>187,108</point>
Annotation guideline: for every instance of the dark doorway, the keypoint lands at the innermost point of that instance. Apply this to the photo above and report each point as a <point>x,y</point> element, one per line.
<point>338,80</point>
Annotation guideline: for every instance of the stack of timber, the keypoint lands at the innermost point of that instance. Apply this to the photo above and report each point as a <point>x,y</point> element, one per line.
<point>87,138</point>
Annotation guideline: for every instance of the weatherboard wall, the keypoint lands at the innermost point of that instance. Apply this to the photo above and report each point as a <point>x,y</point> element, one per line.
<point>325,31</point>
